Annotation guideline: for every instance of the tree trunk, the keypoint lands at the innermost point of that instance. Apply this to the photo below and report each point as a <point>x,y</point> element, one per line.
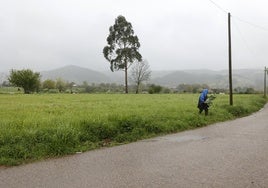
<point>138,88</point>
<point>126,85</point>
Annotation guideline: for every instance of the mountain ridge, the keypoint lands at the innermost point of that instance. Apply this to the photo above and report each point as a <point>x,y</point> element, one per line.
<point>217,79</point>
<point>214,78</point>
<point>73,73</point>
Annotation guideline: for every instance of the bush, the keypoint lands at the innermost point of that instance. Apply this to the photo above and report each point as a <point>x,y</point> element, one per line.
<point>155,89</point>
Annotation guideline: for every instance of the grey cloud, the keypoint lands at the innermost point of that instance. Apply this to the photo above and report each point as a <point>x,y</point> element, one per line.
<point>184,34</point>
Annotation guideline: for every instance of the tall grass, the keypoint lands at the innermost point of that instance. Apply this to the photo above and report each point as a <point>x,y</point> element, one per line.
<point>35,127</point>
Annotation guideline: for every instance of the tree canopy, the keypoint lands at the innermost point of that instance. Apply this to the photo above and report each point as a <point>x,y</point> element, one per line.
<point>26,78</point>
<point>60,85</point>
<point>49,84</point>
<point>123,46</point>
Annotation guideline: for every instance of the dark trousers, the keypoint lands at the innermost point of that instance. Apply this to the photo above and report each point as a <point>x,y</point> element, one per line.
<point>203,106</point>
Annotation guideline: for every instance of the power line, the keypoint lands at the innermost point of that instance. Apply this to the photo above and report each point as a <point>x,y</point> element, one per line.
<point>219,7</point>
<point>243,39</point>
<point>252,24</point>
<point>241,20</point>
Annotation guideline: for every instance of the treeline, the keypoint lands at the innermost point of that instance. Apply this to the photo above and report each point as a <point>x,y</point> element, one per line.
<point>196,88</point>
<point>61,86</point>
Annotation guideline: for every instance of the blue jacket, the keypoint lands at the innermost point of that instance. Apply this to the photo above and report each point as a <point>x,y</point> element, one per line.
<point>203,96</point>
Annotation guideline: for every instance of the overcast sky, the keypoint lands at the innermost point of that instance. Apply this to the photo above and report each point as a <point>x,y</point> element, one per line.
<point>174,34</point>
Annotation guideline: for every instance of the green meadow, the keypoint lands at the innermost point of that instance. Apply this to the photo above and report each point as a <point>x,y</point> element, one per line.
<point>40,126</point>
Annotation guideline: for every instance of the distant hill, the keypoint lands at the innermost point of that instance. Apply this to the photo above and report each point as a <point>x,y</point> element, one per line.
<point>75,74</point>
<point>216,79</point>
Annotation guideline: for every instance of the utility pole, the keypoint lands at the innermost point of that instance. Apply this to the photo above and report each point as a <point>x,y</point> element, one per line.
<point>230,61</point>
<point>265,88</point>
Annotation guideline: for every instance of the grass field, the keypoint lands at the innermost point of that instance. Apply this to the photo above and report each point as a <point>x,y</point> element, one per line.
<point>34,127</point>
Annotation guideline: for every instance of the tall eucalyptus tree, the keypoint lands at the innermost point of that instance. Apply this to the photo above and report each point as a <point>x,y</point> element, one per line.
<point>123,47</point>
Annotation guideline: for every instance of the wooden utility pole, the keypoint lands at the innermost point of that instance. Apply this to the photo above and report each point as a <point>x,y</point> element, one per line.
<point>230,61</point>
<point>265,88</point>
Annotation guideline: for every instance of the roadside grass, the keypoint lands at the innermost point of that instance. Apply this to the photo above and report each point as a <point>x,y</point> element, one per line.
<point>34,127</point>
<point>10,90</point>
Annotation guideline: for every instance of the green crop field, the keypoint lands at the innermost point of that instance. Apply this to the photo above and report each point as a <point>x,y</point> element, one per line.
<point>34,127</point>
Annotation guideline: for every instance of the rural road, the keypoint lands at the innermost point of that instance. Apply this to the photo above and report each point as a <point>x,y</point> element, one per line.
<point>229,154</point>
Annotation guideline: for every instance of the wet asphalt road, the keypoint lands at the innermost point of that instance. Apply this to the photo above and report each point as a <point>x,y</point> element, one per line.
<point>229,154</point>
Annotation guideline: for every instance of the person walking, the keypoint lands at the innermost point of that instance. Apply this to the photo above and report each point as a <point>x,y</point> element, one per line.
<point>202,105</point>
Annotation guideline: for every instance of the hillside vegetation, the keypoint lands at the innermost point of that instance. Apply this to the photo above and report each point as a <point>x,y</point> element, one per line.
<point>34,127</point>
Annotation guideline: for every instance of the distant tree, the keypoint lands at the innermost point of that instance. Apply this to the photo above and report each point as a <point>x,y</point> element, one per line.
<point>70,86</point>
<point>85,84</point>
<point>49,84</point>
<point>122,48</point>
<point>191,88</point>
<point>60,85</point>
<point>250,90</point>
<point>155,89</point>
<point>90,88</point>
<point>140,72</point>
<point>167,90</point>
<point>184,88</point>
<point>26,78</point>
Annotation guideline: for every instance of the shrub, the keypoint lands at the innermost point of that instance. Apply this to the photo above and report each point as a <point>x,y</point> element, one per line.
<point>155,89</point>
